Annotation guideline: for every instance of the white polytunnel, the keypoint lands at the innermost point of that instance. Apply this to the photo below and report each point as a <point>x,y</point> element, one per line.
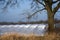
<point>38,29</point>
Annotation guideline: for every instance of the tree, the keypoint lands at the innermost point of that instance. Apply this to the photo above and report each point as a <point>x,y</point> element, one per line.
<point>47,5</point>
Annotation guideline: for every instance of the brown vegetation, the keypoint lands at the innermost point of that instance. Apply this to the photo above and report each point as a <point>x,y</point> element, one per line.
<point>52,36</point>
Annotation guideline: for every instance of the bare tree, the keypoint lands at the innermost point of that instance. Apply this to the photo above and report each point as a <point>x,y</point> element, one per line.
<point>47,5</point>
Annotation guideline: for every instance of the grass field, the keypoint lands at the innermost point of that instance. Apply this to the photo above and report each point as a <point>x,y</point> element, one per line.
<point>16,36</point>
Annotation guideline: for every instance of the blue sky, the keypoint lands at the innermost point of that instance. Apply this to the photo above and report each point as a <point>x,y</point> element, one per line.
<point>19,13</point>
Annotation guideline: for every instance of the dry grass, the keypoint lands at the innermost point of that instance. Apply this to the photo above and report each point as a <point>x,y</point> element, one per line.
<point>15,36</point>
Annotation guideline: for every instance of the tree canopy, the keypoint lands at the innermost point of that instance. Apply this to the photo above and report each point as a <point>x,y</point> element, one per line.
<point>47,5</point>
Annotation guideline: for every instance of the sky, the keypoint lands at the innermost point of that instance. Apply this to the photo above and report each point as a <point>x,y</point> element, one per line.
<point>21,12</point>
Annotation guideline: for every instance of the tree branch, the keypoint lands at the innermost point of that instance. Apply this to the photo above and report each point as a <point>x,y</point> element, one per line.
<point>10,2</point>
<point>55,1</point>
<point>40,3</point>
<point>36,12</point>
<point>56,8</point>
<point>7,3</point>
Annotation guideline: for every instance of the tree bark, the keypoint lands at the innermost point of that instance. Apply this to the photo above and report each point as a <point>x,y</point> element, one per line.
<point>51,22</point>
<point>50,14</point>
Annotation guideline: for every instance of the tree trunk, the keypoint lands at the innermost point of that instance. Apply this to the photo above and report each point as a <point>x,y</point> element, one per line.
<point>50,22</point>
<point>50,14</point>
